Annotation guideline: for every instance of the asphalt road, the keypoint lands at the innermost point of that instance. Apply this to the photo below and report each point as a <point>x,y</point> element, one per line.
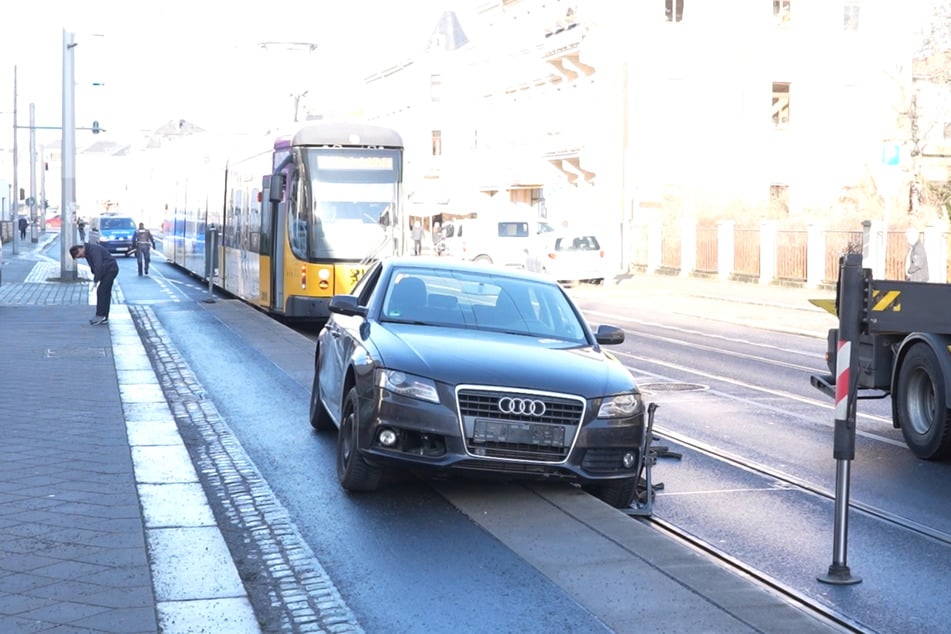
<point>408,560</point>
<point>745,391</point>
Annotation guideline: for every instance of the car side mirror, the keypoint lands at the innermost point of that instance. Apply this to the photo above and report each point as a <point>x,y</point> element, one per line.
<point>347,305</point>
<point>609,335</point>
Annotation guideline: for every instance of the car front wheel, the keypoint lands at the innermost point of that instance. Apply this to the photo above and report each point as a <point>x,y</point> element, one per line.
<point>618,493</point>
<point>352,470</point>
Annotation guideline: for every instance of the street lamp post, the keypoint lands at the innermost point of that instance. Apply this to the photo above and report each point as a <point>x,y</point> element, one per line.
<point>68,200</point>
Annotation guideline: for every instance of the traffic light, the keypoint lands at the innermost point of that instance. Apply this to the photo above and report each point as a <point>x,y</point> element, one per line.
<point>95,127</point>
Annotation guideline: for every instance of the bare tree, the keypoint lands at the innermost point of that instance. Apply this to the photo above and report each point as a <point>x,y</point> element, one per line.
<point>928,109</point>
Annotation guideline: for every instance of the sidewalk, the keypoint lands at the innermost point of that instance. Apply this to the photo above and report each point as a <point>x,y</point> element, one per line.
<point>771,306</point>
<point>104,526</point>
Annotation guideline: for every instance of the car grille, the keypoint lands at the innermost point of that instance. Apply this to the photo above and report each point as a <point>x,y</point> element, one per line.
<point>547,437</point>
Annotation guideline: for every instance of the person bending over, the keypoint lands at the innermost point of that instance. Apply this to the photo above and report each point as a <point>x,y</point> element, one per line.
<point>104,271</point>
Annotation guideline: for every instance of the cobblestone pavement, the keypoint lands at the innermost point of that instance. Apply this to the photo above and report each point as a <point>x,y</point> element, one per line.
<point>288,587</point>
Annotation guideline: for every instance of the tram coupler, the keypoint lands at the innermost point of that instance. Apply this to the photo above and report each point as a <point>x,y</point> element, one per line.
<point>643,505</point>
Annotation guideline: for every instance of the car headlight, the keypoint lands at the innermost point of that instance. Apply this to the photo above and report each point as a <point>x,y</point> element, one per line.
<point>407,385</point>
<point>619,406</point>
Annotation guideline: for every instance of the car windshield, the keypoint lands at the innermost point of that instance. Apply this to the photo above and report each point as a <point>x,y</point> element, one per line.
<point>481,301</point>
<point>116,224</point>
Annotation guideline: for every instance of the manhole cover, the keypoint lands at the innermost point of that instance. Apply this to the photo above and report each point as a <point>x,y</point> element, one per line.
<point>72,353</point>
<point>671,387</point>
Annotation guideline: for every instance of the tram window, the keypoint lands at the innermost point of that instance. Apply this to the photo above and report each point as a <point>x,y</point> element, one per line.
<point>297,220</point>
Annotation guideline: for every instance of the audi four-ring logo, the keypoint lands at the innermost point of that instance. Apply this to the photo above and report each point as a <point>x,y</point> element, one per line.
<point>523,406</point>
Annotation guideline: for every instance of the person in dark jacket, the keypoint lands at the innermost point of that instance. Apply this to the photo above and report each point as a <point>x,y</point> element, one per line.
<point>104,270</point>
<point>22,224</point>
<point>144,243</point>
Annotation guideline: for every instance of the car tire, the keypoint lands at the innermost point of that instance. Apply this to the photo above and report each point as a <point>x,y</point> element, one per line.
<point>484,259</point>
<point>618,493</point>
<point>319,418</point>
<point>353,472</point>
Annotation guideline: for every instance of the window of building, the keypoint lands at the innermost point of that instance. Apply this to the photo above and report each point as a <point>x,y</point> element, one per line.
<point>435,88</point>
<point>780,105</point>
<point>779,198</point>
<point>674,10</point>
<point>437,142</point>
<point>851,16</point>
<point>781,12</point>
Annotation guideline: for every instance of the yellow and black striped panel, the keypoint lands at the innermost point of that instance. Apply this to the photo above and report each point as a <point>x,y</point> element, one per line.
<point>904,307</point>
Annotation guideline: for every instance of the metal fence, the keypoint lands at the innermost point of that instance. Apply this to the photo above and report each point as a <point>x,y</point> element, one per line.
<point>792,251</point>
<point>707,247</point>
<point>671,252</point>
<point>839,243</point>
<point>746,252</point>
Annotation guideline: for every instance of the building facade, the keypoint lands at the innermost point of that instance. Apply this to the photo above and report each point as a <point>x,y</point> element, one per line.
<point>623,115</point>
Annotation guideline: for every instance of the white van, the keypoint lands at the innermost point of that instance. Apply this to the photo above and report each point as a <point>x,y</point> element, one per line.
<point>494,240</point>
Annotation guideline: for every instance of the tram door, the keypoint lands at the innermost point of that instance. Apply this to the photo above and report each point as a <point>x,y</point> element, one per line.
<point>269,271</point>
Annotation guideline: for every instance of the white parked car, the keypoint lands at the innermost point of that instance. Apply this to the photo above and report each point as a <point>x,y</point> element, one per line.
<point>568,257</point>
<point>495,240</point>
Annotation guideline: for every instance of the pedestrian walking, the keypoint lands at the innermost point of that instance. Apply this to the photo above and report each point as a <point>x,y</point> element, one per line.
<point>418,238</point>
<point>916,261</point>
<point>81,224</point>
<point>144,243</point>
<point>104,271</point>
<point>22,224</point>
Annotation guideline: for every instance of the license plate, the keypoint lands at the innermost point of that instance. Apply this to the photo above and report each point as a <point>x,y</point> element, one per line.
<point>518,433</point>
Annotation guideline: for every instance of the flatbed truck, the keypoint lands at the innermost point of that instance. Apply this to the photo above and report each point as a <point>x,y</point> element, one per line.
<point>903,350</point>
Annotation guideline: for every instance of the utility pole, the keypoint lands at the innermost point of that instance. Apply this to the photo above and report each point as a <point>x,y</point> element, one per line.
<point>34,224</point>
<point>16,189</point>
<point>68,202</point>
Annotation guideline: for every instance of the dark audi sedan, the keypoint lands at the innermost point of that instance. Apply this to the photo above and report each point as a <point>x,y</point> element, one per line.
<point>448,366</point>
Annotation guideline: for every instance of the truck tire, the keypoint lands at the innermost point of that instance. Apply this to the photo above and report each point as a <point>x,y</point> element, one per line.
<point>921,404</point>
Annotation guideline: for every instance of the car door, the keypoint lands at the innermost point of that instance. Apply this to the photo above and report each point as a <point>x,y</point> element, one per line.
<point>338,340</point>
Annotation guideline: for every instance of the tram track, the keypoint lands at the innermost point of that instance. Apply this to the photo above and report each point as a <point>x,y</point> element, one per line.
<point>790,595</point>
<point>793,482</point>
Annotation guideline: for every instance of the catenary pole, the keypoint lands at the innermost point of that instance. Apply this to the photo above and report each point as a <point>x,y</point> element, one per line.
<point>68,196</point>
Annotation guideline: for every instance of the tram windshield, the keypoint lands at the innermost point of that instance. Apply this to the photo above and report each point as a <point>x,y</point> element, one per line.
<point>348,204</point>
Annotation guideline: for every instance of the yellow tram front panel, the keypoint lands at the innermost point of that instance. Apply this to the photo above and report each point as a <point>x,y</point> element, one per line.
<point>308,286</point>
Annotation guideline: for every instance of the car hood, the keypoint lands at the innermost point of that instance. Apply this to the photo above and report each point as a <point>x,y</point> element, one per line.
<point>458,356</point>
